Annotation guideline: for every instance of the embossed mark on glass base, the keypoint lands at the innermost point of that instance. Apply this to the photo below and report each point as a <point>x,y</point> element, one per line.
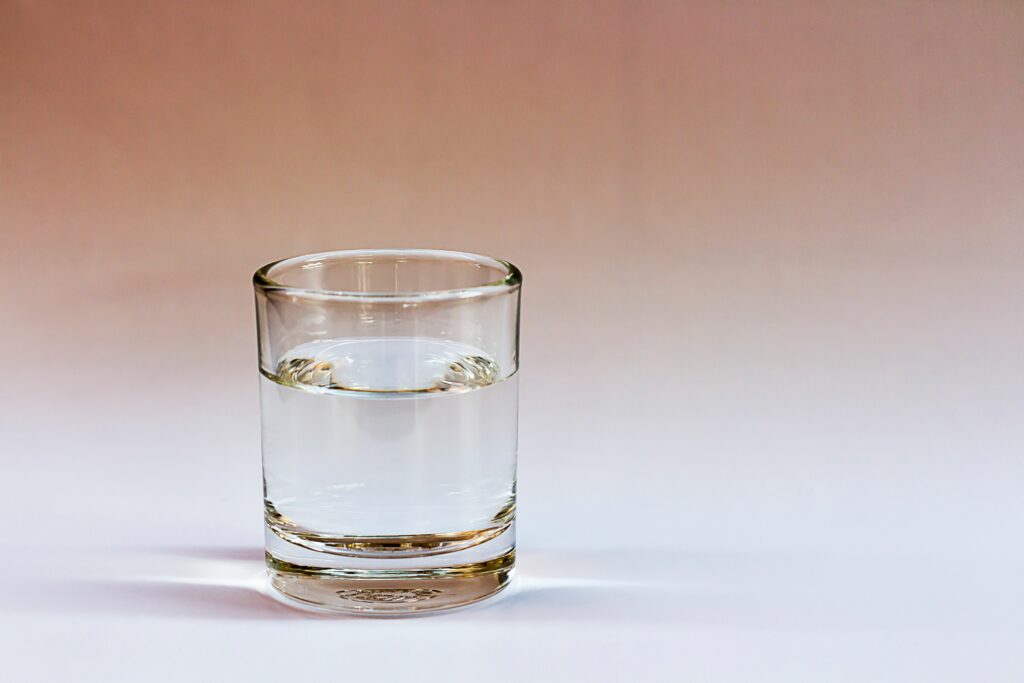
<point>389,595</point>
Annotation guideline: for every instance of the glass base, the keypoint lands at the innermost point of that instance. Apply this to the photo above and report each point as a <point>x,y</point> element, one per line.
<point>384,592</point>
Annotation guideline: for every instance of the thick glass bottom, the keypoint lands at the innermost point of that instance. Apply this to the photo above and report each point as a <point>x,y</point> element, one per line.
<point>384,592</point>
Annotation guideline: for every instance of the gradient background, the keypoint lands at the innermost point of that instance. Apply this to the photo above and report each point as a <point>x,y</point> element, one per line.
<point>772,372</point>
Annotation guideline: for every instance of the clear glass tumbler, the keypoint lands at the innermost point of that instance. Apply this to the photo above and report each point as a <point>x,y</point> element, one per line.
<point>389,403</point>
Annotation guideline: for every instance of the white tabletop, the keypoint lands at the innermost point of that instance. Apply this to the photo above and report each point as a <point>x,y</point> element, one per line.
<point>134,552</point>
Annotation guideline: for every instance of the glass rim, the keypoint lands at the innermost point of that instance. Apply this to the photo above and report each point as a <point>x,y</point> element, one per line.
<point>512,278</point>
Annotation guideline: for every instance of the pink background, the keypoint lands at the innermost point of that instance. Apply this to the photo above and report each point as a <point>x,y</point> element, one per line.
<point>772,305</point>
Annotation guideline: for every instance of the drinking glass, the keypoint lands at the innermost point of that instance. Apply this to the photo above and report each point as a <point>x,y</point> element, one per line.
<point>389,409</point>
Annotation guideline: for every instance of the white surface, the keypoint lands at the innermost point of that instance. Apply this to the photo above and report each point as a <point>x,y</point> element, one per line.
<point>149,566</point>
<point>169,613</point>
